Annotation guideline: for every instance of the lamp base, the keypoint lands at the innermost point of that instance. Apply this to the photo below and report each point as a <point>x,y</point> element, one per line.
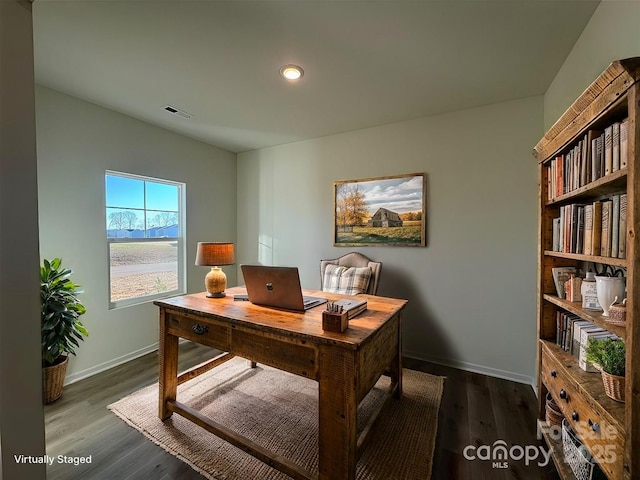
<point>215,283</point>
<point>216,295</point>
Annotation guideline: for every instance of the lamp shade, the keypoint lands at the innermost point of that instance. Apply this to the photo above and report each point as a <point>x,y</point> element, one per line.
<point>215,254</point>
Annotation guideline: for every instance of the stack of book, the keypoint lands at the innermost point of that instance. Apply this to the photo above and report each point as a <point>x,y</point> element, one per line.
<point>573,334</point>
<point>351,307</point>
<point>597,228</point>
<point>597,154</point>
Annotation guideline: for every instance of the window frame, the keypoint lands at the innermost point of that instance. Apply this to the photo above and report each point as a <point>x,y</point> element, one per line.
<point>180,239</point>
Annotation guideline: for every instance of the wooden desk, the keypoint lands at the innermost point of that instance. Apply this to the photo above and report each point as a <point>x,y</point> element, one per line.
<point>345,365</point>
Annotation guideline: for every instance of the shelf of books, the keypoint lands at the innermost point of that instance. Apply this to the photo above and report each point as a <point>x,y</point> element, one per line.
<point>589,210</point>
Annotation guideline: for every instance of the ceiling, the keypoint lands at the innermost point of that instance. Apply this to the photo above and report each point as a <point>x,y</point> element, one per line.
<point>366,63</point>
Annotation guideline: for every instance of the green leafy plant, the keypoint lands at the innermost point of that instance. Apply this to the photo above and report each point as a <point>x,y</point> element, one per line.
<point>609,354</point>
<point>60,313</point>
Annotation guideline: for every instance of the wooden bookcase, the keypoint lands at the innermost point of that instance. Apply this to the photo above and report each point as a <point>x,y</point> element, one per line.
<point>610,430</point>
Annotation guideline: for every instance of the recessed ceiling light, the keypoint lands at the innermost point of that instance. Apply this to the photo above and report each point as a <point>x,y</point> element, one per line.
<point>291,72</point>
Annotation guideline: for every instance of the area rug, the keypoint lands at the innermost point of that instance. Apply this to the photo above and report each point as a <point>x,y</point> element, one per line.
<point>280,411</point>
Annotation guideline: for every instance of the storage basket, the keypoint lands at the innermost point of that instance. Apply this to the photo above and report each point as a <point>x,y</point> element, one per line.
<point>553,413</point>
<point>53,381</point>
<point>576,455</point>
<point>613,386</point>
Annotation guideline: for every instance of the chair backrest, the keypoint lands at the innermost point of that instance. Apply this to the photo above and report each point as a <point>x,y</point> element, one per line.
<point>355,259</point>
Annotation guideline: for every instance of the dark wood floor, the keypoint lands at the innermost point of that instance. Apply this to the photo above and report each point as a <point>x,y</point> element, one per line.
<point>476,410</point>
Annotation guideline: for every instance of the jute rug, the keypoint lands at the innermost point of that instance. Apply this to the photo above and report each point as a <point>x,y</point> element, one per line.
<point>280,411</point>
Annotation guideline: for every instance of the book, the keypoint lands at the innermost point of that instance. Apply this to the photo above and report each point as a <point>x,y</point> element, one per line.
<point>569,321</point>
<point>605,238</point>
<point>352,307</point>
<point>577,329</point>
<point>615,225</point>
<point>600,153</point>
<point>572,289</point>
<point>561,230</point>
<point>615,147</point>
<point>580,232</point>
<point>559,175</point>
<point>584,170</point>
<point>590,155</point>
<point>588,229</point>
<point>595,161</point>
<point>624,143</point>
<point>584,339</point>
<point>574,228</point>
<point>574,347</point>
<point>556,235</point>
<point>622,235</point>
<point>560,277</point>
<point>608,150</point>
<point>596,236</point>
<point>585,335</point>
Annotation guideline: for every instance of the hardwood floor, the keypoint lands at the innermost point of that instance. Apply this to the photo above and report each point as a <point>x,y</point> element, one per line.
<point>476,410</point>
<point>480,410</point>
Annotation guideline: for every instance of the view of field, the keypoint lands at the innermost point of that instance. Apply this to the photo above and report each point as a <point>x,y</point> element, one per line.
<point>406,234</point>
<point>143,269</point>
<point>410,232</point>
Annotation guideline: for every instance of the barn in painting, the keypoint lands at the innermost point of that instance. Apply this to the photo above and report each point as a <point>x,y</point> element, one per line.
<point>385,218</point>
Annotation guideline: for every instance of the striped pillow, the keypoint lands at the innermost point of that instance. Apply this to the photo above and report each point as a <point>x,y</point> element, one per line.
<point>346,280</point>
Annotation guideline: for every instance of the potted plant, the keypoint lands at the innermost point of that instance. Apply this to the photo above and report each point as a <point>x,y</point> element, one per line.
<point>609,354</point>
<point>60,325</point>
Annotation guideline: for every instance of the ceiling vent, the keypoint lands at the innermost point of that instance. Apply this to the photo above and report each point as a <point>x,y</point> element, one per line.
<point>177,111</point>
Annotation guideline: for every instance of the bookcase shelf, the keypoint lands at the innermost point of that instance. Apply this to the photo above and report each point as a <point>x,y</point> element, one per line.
<point>612,99</point>
<point>614,262</point>
<point>603,186</point>
<point>592,316</point>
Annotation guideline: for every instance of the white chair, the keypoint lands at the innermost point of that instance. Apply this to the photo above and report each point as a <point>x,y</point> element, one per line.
<point>357,260</point>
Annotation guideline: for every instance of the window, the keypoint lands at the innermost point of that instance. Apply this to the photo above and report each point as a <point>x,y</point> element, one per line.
<point>145,236</point>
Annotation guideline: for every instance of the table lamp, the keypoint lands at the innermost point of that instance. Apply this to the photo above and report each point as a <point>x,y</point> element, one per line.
<point>215,254</point>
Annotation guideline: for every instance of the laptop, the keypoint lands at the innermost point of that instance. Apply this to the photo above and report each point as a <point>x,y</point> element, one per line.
<point>277,287</point>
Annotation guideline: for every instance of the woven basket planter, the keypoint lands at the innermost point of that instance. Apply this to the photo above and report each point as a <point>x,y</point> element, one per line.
<point>613,386</point>
<point>53,381</point>
<point>553,414</point>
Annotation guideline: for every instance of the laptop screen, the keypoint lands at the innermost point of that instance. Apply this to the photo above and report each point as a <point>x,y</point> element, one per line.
<point>277,287</point>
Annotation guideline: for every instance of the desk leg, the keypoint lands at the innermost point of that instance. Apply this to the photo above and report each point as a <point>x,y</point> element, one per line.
<point>396,363</point>
<point>337,415</point>
<point>167,367</point>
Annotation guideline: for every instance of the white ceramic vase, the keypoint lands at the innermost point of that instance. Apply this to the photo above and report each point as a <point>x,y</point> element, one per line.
<point>607,289</point>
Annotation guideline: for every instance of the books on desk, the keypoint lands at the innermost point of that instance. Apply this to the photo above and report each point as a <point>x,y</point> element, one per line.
<point>351,307</point>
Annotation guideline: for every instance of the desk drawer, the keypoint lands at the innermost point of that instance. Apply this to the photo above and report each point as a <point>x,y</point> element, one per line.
<point>604,440</point>
<point>211,333</point>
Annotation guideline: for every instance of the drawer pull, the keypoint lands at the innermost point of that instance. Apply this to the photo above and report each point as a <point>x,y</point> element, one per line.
<point>554,374</point>
<point>575,416</point>
<point>594,426</point>
<point>200,329</point>
<point>563,395</point>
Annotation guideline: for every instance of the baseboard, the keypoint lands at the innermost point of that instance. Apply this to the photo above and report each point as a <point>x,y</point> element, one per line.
<point>472,367</point>
<point>77,376</point>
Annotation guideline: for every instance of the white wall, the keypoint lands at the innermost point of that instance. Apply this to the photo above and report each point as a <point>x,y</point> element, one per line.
<point>613,33</point>
<point>78,141</point>
<point>471,291</point>
<point>21,413</point>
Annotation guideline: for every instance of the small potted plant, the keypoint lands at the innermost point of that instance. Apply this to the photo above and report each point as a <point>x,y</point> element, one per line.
<point>609,355</point>
<point>60,325</point>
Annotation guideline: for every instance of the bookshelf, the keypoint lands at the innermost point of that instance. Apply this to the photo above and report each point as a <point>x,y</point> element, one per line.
<point>591,155</point>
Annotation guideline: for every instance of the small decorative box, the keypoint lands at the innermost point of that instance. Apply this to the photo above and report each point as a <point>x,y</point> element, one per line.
<point>335,322</point>
<point>618,313</point>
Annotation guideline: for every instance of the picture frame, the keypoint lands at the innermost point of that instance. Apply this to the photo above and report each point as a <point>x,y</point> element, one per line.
<point>382,211</point>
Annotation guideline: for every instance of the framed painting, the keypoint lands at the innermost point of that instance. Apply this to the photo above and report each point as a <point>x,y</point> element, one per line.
<point>380,211</point>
